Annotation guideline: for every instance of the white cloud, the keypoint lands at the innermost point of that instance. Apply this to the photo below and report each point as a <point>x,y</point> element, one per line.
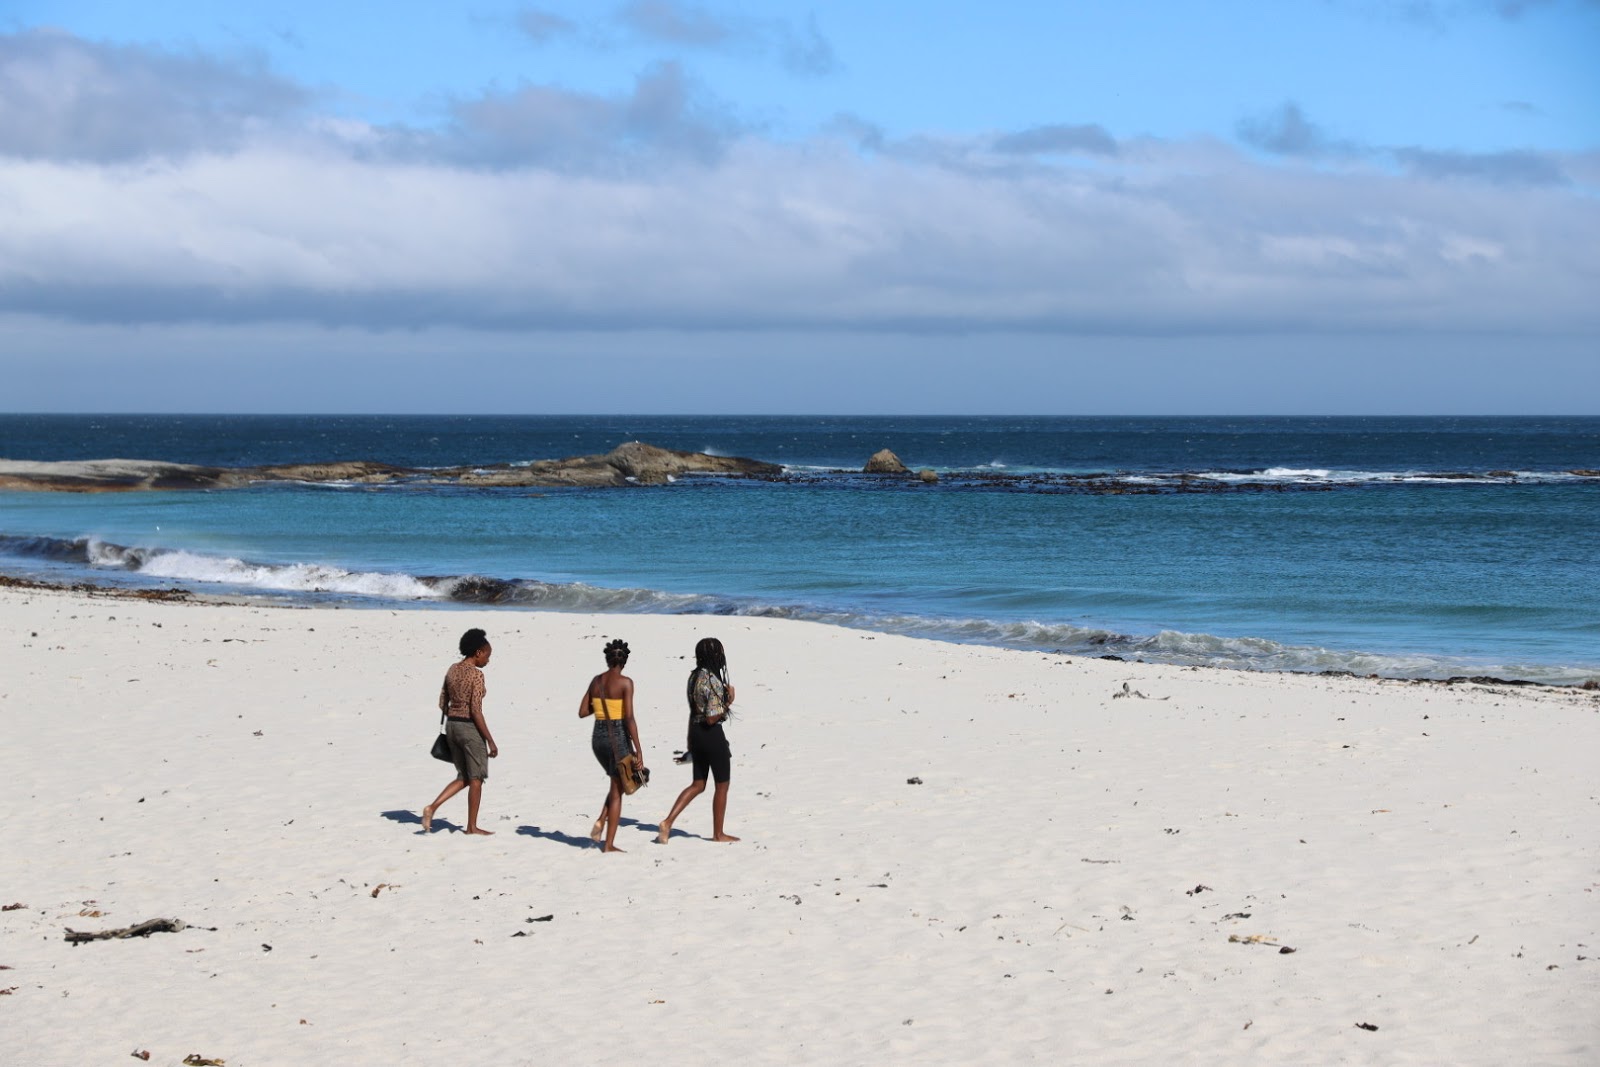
<point>792,236</point>
<point>65,98</point>
<point>545,209</point>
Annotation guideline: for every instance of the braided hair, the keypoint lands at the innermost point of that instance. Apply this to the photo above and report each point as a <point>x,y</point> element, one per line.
<point>617,653</point>
<point>708,657</point>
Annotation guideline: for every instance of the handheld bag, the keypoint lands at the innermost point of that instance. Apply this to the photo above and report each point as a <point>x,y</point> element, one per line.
<point>632,773</point>
<point>441,743</point>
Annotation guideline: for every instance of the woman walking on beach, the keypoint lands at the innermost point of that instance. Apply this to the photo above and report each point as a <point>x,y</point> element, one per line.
<point>471,744</point>
<point>609,699</point>
<point>710,703</point>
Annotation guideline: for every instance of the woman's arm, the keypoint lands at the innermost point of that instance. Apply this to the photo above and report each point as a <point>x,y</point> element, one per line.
<point>475,702</point>
<point>586,709</point>
<point>627,714</point>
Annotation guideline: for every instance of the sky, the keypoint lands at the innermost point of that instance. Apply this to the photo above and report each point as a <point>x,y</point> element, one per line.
<point>1290,207</point>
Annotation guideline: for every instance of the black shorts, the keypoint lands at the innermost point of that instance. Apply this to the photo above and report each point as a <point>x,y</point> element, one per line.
<point>708,747</point>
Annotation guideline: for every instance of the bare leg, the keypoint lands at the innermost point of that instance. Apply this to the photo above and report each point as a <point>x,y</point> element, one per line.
<point>613,813</point>
<point>444,794</point>
<point>719,808</point>
<point>597,833</point>
<point>474,795</point>
<point>692,790</point>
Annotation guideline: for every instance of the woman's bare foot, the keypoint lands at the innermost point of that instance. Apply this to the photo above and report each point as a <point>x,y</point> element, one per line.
<point>427,820</point>
<point>663,833</point>
<point>611,848</point>
<point>490,833</point>
<point>598,833</point>
<point>724,837</point>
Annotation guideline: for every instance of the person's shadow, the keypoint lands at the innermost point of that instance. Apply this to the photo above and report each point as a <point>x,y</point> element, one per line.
<point>586,842</point>
<point>557,836</point>
<point>655,831</point>
<point>439,821</point>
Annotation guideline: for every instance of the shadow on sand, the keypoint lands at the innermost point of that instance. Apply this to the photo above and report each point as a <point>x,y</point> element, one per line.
<point>558,837</point>
<point>413,819</point>
<point>655,831</point>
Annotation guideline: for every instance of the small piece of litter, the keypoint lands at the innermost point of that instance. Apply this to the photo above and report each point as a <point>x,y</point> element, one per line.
<point>1251,939</point>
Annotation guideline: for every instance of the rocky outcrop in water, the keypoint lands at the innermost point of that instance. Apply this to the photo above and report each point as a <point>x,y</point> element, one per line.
<point>885,462</point>
<point>634,463</point>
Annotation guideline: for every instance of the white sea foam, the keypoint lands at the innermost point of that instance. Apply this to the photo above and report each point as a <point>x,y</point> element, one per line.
<point>179,565</point>
<point>1328,476</point>
<point>1167,646</point>
<point>1317,473</point>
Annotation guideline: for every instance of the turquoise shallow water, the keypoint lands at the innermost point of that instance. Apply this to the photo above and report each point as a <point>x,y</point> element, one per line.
<point>1405,547</point>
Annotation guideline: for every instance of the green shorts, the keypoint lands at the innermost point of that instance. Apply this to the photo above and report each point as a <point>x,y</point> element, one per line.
<point>467,748</point>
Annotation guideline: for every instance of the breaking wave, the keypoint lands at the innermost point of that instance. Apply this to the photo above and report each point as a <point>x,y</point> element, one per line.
<point>311,580</point>
<point>997,475</point>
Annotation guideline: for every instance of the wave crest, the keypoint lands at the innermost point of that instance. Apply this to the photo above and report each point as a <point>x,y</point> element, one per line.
<point>1168,646</point>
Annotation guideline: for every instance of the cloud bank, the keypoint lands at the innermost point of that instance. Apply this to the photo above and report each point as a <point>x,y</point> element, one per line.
<point>535,208</point>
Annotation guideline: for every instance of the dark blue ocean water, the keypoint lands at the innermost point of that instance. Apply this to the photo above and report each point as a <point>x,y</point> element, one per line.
<point>1407,547</point>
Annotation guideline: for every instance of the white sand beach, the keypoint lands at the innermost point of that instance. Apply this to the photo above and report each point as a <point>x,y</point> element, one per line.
<point>1074,877</point>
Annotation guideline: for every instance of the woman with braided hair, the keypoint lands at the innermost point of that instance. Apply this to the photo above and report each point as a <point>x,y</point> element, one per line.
<point>710,705</point>
<point>609,699</point>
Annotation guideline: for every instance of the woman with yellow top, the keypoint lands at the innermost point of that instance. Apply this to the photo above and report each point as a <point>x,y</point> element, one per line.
<point>609,699</point>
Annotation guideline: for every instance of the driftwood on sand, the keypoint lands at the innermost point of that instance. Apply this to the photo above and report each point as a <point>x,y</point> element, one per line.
<point>144,929</point>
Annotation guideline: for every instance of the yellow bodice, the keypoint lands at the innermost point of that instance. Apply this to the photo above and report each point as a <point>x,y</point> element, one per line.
<point>605,708</point>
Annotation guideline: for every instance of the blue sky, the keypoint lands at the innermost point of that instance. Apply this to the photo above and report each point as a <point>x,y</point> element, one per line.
<point>1316,206</point>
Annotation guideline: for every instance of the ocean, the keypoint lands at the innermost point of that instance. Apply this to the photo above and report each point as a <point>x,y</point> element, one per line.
<point>1404,547</point>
